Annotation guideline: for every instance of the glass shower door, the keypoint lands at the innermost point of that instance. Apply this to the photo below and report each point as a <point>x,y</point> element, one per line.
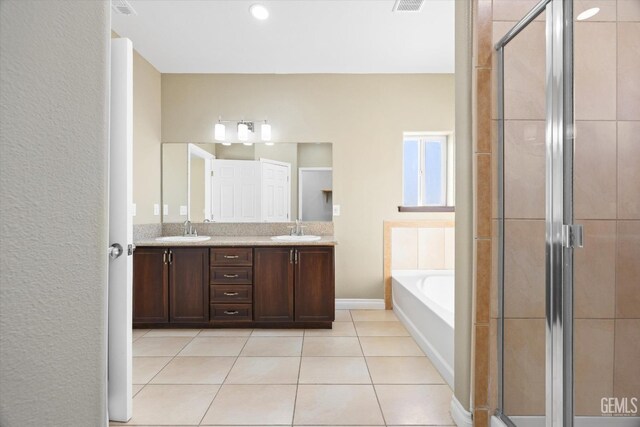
<point>606,201</point>
<point>522,222</point>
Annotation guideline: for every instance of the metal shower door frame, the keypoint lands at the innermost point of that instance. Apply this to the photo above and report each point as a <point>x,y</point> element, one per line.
<point>559,227</point>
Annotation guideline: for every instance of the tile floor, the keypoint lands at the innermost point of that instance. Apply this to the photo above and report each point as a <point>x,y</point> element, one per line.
<point>366,371</point>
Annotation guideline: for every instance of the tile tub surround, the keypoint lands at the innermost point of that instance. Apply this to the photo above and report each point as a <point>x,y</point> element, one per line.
<point>319,380</point>
<point>249,228</point>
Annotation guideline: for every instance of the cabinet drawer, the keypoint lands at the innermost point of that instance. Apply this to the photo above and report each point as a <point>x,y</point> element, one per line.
<point>231,276</point>
<point>231,256</point>
<point>233,293</point>
<point>231,312</point>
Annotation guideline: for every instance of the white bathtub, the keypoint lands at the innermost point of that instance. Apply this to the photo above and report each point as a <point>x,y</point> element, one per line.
<point>424,301</point>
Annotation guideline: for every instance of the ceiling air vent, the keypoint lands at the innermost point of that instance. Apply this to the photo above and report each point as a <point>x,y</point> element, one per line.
<point>122,7</point>
<point>408,5</point>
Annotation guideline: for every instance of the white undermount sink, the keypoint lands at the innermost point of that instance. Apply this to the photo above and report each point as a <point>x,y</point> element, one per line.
<point>288,238</point>
<point>183,238</point>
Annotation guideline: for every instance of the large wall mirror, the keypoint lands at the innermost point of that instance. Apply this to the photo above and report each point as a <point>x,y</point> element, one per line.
<point>213,182</point>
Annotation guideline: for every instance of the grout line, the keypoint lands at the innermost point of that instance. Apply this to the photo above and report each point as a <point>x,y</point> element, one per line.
<point>375,392</point>
<point>223,381</point>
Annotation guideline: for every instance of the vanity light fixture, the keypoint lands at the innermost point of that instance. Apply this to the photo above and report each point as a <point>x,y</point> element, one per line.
<point>219,132</point>
<point>265,131</point>
<point>244,127</point>
<point>589,13</point>
<point>259,12</point>
<point>243,131</point>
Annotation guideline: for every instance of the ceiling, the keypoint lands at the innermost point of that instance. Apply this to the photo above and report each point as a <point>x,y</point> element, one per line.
<point>300,36</point>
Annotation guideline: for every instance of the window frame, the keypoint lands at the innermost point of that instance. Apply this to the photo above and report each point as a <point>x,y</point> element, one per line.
<point>447,164</point>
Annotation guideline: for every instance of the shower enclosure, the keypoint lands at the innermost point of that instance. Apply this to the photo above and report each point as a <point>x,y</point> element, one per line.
<point>568,219</point>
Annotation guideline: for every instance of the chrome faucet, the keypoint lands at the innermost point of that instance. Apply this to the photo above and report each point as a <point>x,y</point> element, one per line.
<point>189,230</point>
<point>297,230</point>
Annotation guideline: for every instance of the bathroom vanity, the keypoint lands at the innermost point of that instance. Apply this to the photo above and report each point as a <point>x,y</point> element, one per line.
<point>234,282</point>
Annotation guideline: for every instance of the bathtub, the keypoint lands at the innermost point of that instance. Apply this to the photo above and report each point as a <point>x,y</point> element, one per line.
<point>424,301</point>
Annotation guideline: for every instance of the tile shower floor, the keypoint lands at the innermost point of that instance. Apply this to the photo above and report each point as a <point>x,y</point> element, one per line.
<point>366,371</point>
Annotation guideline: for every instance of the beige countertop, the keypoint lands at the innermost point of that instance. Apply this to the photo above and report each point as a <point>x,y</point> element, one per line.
<point>238,241</point>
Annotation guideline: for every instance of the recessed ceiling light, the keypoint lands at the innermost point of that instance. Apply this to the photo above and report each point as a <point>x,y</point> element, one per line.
<point>589,13</point>
<point>259,12</point>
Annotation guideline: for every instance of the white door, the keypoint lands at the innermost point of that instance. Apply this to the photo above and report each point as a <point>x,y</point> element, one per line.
<point>236,191</point>
<point>276,191</point>
<point>120,231</point>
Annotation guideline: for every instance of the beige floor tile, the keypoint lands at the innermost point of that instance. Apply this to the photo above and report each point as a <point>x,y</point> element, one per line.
<point>264,370</point>
<point>373,316</point>
<point>403,370</point>
<point>166,346</point>
<point>135,388</point>
<point>145,368</point>
<point>381,329</point>
<point>339,329</point>
<point>225,332</point>
<point>415,404</point>
<point>331,346</point>
<point>252,404</point>
<point>337,404</point>
<point>214,346</point>
<point>273,346</point>
<point>172,404</point>
<point>154,333</point>
<point>277,333</point>
<point>334,370</point>
<point>138,333</point>
<point>195,370</point>
<point>390,346</point>
<point>343,316</point>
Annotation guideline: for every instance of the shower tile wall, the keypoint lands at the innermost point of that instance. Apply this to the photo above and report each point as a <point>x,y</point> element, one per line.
<point>606,201</point>
<point>422,248</point>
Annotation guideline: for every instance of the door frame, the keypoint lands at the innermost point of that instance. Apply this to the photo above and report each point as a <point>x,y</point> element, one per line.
<point>193,149</point>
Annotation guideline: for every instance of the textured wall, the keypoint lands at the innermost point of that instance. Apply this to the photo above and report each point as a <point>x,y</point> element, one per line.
<point>362,115</point>
<point>53,158</point>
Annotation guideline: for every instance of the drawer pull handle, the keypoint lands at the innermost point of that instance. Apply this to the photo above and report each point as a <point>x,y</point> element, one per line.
<point>231,294</point>
<point>231,256</point>
<point>231,312</point>
<point>231,276</point>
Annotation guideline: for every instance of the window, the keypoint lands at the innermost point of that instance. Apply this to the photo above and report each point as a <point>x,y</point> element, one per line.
<point>427,169</point>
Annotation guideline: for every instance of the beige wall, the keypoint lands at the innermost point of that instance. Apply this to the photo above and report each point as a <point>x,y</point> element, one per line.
<point>146,140</point>
<point>54,136</point>
<point>362,115</point>
<point>315,156</point>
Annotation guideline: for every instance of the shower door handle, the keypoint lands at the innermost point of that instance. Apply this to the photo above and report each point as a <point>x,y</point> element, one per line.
<point>572,236</point>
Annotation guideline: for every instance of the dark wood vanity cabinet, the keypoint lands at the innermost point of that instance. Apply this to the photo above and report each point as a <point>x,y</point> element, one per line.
<point>170,285</point>
<point>314,284</point>
<point>274,286</point>
<point>150,285</point>
<point>294,284</point>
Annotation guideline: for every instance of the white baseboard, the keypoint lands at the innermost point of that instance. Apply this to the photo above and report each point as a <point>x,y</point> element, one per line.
<point>460,416</point>
<point>359,304</point>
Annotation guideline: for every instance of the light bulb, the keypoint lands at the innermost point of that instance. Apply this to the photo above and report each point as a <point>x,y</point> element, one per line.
<point>259,12</point>
<point>265,132</point>
<point>243,131</point>
<point>219,132</point>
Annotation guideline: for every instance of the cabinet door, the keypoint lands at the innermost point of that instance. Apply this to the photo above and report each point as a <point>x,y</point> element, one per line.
<point>150,285</point>
<point>273,284</point>
<point>314,285</point>
<point>189,285</point>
